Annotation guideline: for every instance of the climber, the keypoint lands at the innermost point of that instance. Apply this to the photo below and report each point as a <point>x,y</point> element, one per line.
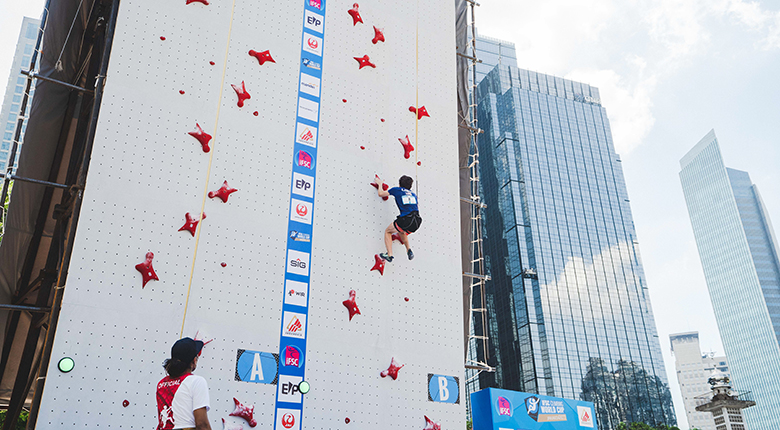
<point>407,222</point>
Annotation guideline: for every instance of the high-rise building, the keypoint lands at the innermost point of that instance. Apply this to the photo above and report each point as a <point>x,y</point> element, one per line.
<point>693,371</point>
<point>739,255</point>
<point>493,52</point>
<point>14,91</point>
<point>568,309</point>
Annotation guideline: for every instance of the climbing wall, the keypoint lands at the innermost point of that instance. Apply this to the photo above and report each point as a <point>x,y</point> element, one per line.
<point>229,198</point>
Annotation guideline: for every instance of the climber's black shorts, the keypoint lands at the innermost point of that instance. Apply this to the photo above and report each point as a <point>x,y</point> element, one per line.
<point>409,223</point>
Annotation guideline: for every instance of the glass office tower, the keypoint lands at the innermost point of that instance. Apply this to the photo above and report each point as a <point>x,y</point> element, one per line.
<point>738,253</point>
<point>14,90</point>
<point>569,312</point>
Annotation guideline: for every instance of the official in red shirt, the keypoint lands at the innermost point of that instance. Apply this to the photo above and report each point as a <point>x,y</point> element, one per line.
<point>183,398</point>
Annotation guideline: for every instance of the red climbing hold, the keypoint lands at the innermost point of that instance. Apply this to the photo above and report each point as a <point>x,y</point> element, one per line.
<point>344,100</point>
<point>408,148</point>
<point>362,147</point>
<point>223,192</point>
<point>364,61</point>
<point>379,36</point>
<point>256,113</point>
<point>421,112</point>
<point>223,264</point>
<point>355,15</point>
<point>406,299</point>
<point>351,306</point>
<point>162,38</point>
<point>398,238</point>
<point>198,1</point>
<point>203,137</point>
<point>382,119</point>
<point>379,264</point>
<point>212,63</point>
<point>181,92</point>
<point>245,412</point>
<point>419,163</point>
<point>262,57</point>
<point>146,269</point>
<point>392,371</point>
<point>241,93</point>
<point>231,426</point>
<point>125,403</point>
<point>430,425</point>
<point>384,187</point>
<point>347,420</point>
<point>192,224</point>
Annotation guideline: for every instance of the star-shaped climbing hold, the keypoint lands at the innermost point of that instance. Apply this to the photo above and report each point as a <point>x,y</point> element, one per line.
<point>223,192</point>
<point>351,306</point>
<point>192,224</point>
<point>421,112</point>
<point>355,15</point>
<point>379,36</point>
<point>408,148</point>
<point>392,371</point>
<point>245,412</point>
<point>384,187</point>
<point>231,426</point>
<point>364,61</point>
<point>430,425</point>
<point>242,94</point>
<point>203,137</point>
<point>379,264</point>
<point>198,1</point>
<point>262,57</point>
<point>146,269</point>
<point>395,236</point>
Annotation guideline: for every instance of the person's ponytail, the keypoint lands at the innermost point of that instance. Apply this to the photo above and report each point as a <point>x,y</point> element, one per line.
<point>175,367</point>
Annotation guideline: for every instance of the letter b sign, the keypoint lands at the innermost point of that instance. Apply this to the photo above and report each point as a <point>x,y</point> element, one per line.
<point>444,389</point>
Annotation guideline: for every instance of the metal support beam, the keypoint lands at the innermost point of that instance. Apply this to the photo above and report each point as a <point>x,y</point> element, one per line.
<point>12,177</point>
<point>34,75</point>
<point>31,309</point>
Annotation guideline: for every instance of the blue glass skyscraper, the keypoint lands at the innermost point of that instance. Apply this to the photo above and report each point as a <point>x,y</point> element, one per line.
<point>569,312</point>
<point>739,255</point>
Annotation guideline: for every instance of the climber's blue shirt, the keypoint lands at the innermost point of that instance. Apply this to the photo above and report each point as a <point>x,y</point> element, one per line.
<point>405,199</point>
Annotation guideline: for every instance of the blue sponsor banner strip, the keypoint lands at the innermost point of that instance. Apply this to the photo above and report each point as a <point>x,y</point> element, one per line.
<point>292,344</point>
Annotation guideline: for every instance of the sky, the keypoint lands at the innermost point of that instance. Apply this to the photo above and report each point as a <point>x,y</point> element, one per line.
<point>668,72</point>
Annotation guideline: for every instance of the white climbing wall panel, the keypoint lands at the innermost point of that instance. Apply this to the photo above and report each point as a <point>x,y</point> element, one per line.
<point>147,172</point>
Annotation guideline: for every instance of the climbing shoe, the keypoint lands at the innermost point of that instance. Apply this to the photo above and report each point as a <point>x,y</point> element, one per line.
<point>410,254</point>
<point>388,258</point>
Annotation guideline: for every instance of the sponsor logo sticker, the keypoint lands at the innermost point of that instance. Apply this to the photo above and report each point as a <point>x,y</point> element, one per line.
<point>288,419</point>
<point>306,135</point>
<point>295,293</point>
<point>303,185</point>
<point>305,159</point>
<point>300,237</point>
<point>294,325</point>
<point>312,64</point>
<point>312,44</point>
<point>310,85</point>
<point>300,211</point>
<point>298,262</point>
<point>292,356</point>
<point>313,21</point>
<point>308,109</point>
<point>316,3</point>
<point>586,416</point>
<point>288,389</point>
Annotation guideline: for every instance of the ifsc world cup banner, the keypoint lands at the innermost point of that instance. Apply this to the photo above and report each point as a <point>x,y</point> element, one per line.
<point>495,409</point>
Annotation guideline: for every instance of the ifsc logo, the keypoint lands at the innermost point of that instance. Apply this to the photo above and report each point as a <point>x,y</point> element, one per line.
<point>292,356</point>
<point>504,406</point>
<point>305,160</point>
<point>316,3</point>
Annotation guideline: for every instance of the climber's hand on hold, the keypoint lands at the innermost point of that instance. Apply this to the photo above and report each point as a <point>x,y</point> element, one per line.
<point>381,189</point>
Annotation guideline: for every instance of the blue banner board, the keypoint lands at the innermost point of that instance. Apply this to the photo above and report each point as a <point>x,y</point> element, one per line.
<point>494,409</point>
